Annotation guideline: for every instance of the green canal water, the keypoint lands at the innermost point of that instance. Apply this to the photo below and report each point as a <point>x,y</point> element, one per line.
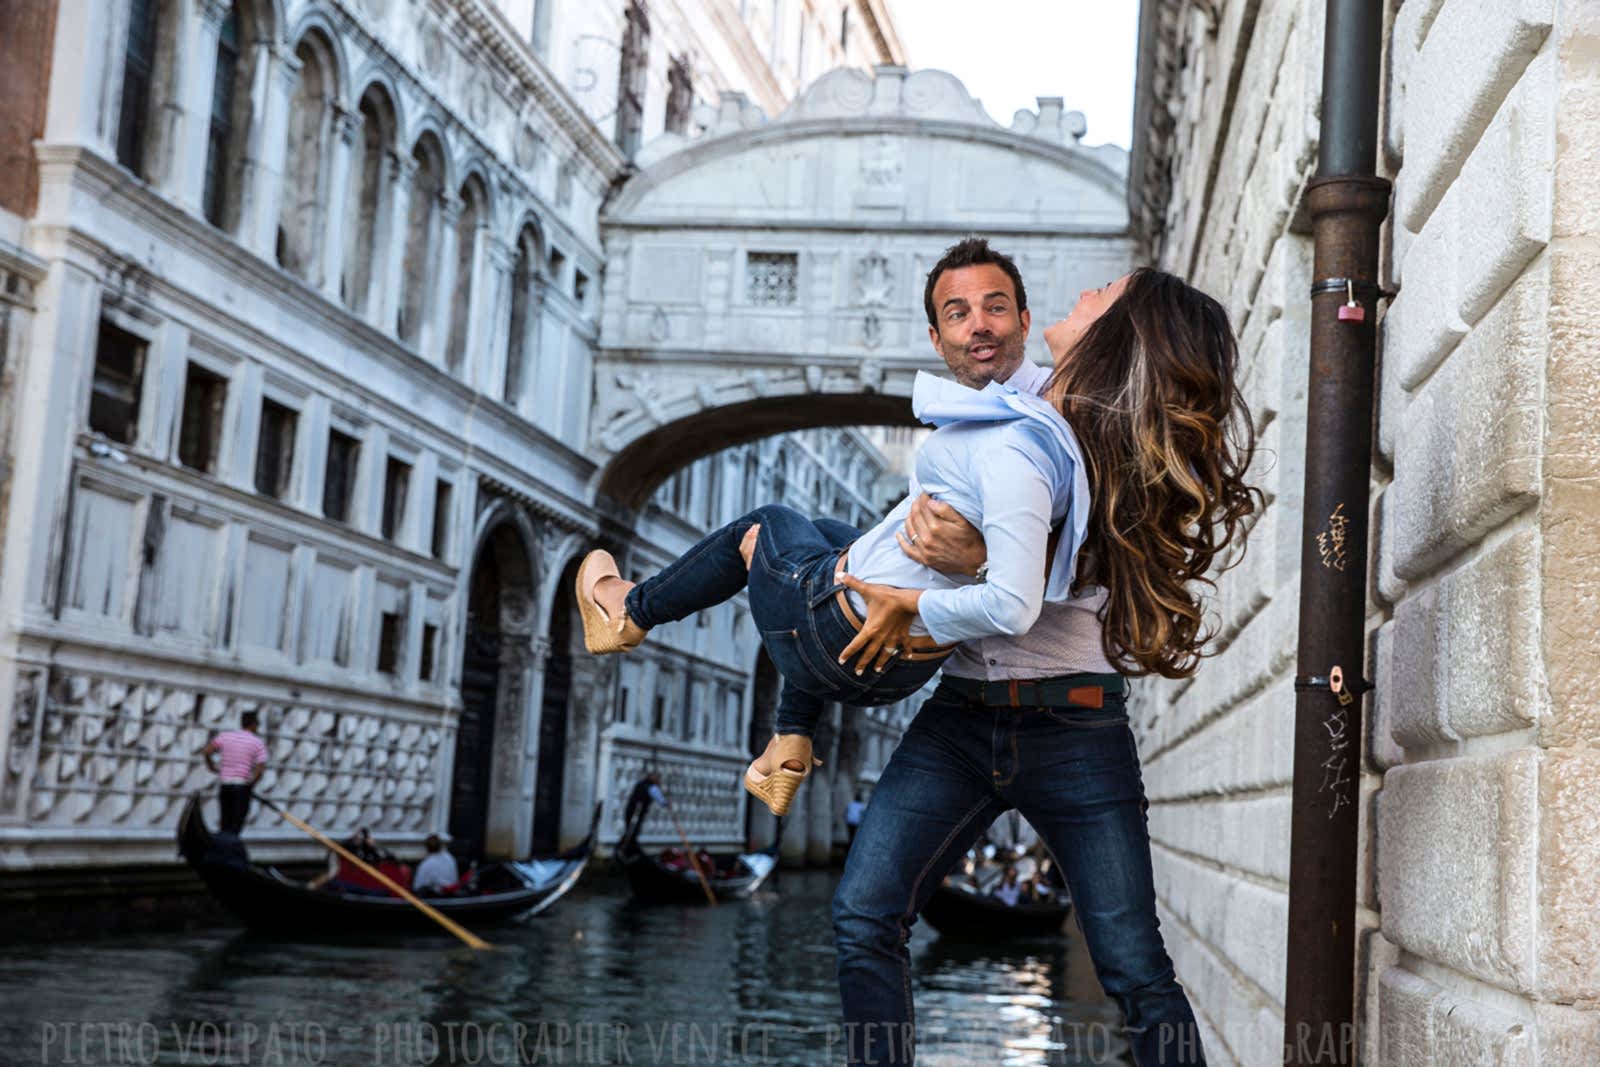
<point>598,980</point>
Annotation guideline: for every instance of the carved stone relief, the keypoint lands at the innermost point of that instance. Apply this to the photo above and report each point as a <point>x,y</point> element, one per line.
<point>119,754</point>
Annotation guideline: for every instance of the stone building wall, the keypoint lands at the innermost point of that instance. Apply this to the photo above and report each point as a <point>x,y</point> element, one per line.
<point>268,447</point>
<point>1480,834</point>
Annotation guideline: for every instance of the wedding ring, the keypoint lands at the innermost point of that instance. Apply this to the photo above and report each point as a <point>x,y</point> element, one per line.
<point>911,540</point>
<point>892,651</point>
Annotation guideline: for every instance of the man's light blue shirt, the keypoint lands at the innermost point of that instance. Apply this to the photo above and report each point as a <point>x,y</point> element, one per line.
<point>1007,461</point>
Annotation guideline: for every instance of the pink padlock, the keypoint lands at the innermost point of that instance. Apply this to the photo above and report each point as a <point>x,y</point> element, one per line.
<point>1352,313</point>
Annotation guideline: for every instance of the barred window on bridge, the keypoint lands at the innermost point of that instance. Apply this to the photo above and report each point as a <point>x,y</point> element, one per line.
<point>772,279</point>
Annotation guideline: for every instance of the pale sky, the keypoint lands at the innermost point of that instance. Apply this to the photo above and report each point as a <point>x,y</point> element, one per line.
<point>1009,52</point>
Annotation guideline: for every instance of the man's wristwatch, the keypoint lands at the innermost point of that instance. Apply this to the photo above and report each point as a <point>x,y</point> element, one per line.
<point>982,573</point>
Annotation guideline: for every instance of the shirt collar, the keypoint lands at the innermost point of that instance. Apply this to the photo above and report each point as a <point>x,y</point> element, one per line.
<point>1029,377</point>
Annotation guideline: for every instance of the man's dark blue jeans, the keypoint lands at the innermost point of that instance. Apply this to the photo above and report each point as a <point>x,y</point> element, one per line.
<point>794,606</point>
<point>1074,774</point>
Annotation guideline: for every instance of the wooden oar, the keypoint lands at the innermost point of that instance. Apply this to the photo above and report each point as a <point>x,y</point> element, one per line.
<point>472,940</point>
<point>711,898</point>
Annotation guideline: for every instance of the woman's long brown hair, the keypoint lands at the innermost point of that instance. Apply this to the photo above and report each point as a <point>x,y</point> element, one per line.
<point>1150,389</point>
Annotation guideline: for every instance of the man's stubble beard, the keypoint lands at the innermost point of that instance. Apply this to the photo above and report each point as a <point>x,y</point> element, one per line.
<point>1007,358</point>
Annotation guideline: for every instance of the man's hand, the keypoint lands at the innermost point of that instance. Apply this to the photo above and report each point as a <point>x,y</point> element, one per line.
<point>883,636</point>
<point>936,536</point>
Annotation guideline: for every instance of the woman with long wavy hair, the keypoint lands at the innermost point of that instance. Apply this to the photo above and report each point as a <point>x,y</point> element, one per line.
<point>1146,375</point>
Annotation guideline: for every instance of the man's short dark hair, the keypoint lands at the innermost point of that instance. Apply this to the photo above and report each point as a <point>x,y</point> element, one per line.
<point>433,844</point>
<point>972,252</point>
<point>249,719</point>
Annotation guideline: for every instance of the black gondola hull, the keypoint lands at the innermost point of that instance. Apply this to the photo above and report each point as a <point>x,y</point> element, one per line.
<point>264,900</point>
<point>964,915</point>
<point>654,883</point>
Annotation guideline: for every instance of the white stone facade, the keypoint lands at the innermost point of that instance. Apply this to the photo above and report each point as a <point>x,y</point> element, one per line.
<point>1480,831</point>
<point>294,415</point>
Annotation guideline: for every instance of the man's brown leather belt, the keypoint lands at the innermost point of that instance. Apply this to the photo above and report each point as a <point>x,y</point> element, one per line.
<point>1065,691</point>
<point>916,648</point>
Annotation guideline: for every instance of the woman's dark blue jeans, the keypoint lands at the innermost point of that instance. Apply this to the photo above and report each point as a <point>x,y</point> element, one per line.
<point>793,600</point>
<point>1074,774</point>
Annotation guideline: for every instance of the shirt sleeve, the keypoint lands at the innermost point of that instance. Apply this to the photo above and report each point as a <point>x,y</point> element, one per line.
<point>1015,493</point>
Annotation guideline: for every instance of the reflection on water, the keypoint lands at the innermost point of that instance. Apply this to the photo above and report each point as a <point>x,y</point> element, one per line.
<point>598,980</point>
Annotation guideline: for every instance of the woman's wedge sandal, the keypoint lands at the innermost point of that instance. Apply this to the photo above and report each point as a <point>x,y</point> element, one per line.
<point>776,788</point>
<point>601,633</point>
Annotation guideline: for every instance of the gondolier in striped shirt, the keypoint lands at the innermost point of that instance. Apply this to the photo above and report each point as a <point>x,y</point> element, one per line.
<point>239,758</point>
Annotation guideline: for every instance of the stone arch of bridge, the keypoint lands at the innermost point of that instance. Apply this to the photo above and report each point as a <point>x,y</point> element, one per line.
<point>767,275</point>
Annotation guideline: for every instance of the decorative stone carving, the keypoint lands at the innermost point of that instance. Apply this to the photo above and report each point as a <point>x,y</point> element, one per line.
<point>564,179</point>
<point>660,325</point>
<point>433,50</point>
<point>526,148</point>
<point>874,282</point>
<point>115,755</point>
<point>872,334</point>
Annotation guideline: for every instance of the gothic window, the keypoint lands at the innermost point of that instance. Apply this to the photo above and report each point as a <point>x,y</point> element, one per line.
<point>473,205</point>
<point>580,287</point>
<point>118,376</point>
<point>275,449</point>
<point>368,206</point>
<point>523,343</point>
<point>421,222</point>
<point>300,229</point>
<point>771,278</point>
<point>138,78</point>
<point>680,95</point>
<point>339,475</point>
<point>229,121</point>
<point>396,481</point>
<point>631,78</point>
<point>200,426</point>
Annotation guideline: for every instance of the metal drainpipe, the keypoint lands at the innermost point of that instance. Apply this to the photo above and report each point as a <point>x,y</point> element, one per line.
<point>1347,203</point>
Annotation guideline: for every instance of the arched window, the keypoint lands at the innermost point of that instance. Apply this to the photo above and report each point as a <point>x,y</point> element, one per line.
<point>421,236</point>
<point>474,203</point>
<point>231,110</point>
<point>300,219</point>
<point>523,345</point>
<point>365,225</point>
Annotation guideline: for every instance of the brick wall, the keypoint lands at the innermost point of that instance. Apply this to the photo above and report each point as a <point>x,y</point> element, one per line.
<point>1476,893</point>
<point>27,34</point>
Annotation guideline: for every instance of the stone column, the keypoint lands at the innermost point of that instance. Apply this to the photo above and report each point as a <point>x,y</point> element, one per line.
<point>85,92</point>
<point>481,294</point>
<point>344,131</point>
<point>433,340</point>
<point>489,332</point>
<point>261,177</point>
<point>387,284</point>
<point>185,178</point>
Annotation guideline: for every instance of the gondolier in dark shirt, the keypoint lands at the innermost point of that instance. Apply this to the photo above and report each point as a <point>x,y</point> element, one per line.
<point>646,791</point>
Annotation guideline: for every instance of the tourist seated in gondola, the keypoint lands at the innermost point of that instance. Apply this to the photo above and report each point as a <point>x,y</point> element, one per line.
<point>437,873</point>
<point>1009,889</point>
<point>342,876</point>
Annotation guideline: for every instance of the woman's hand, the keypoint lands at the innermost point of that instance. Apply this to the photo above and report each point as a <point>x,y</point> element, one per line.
<point>890,612</point>
<point>937,536</point>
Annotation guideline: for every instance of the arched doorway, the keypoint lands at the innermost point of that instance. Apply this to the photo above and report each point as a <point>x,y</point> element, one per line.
<point>550,779</point>
<point>495,660</point>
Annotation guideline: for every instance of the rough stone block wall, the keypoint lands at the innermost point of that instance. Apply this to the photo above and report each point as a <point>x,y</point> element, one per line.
<point>1480,932</point>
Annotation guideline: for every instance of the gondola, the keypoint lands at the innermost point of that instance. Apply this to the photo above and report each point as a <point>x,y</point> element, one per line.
<point>267,900</point>
<point>960,910</point>
<point>735,875</point>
